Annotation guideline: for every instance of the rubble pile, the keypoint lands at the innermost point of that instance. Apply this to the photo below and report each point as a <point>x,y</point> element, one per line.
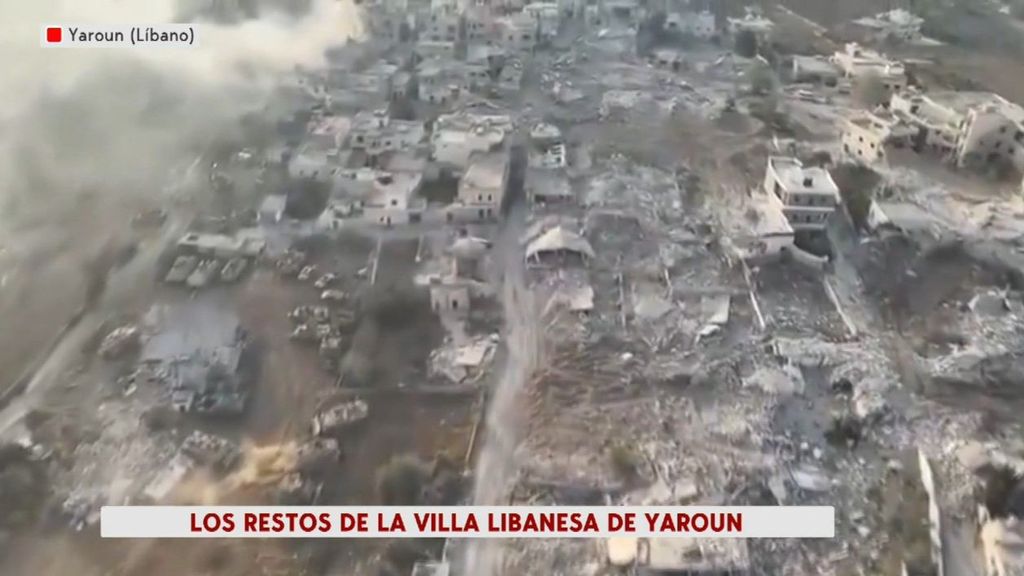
<point>119,342</point>
<point>467,362</point>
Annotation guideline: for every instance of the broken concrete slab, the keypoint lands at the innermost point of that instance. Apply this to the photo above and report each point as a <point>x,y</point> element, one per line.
<point>810,478</point>
<point>781,380</point>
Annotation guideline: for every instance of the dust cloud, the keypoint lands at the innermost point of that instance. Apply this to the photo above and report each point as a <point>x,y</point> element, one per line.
<point>115,120</point>
<point>260,467</point>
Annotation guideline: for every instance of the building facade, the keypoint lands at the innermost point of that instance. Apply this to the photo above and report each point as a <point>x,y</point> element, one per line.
<point>809,196</point>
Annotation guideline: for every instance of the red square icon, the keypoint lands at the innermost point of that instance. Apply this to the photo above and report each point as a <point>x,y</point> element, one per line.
<point>53,35</point>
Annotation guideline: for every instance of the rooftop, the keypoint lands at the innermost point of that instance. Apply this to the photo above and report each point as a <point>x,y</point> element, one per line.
<point>767,217</point>
<point>332,126</point>
<point>394,189</point>
<point>465,120</point>
<point>559,239</point>
<point>961,101</point>
<point>486,171</point>
<point>793,176</point>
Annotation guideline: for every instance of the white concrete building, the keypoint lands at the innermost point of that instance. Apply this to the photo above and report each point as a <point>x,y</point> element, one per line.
<point>394,200</point>
<point>698,24</point>
<point>547,17</point>
<point>809,195</point>
<point>972,129</point>
<point>483,185</point>
<point>768,232</point>
<point>992,131</point>
<point>330,131</point>
<point>857,62</point>
<point>896,24</point>
<point>480,25</point>
<point>439,80</point>
<point>518,32</point>
<point>401,86</point>
<point>427,49</point>
<point>449,297</point>
<point>937,117</point>
<point>457,137</point>
<point>242,244</point>
<point>315,162</point>
<point>442,27</point>
<point>619,14</point>
<point>866,135</point>
<point>376,133</point>
<point>361,86</point>
<point>813,69</point>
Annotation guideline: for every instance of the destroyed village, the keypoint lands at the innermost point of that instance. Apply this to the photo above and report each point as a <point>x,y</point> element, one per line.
<point>517,253</point>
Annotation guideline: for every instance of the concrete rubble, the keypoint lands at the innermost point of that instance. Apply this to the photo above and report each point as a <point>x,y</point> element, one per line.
<point>587,255</point>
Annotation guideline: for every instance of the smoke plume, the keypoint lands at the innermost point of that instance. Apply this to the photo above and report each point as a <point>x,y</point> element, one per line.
<point>112,121</point>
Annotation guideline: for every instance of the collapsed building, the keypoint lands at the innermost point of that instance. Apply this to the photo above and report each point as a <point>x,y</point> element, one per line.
<point>862,64</point>
<point>865,136</point>
<point>970,129</point>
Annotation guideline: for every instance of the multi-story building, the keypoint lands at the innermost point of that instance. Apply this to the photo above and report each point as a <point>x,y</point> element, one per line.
<point>971,129</point>
<point>991,132</point>
<point>482,187</point>
<point>439,80</point>
<point>457,137</point>
<point>518,32</point>
<point>809,196</point>
<point>547,16</point>
<point>374,132</point>
<point>394,199</point>
<point>479,25</point>
<point>937,117</point>
<point>866,135</point>
<point>442,26</point>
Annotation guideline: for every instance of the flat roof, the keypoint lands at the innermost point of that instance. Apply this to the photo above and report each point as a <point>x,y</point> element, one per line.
<point>401,186</point>
<point>769,219</point>
<point>961,101</point>
<point>794,176</point>
<point>332,125</point>
<point>486,171</point>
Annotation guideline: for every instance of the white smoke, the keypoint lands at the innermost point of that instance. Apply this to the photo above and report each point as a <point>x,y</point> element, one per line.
<point>113,119</point>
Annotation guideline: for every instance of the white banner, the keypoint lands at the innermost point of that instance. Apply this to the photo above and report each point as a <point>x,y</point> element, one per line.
<point>117,35</point>
<point>467,521</point>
